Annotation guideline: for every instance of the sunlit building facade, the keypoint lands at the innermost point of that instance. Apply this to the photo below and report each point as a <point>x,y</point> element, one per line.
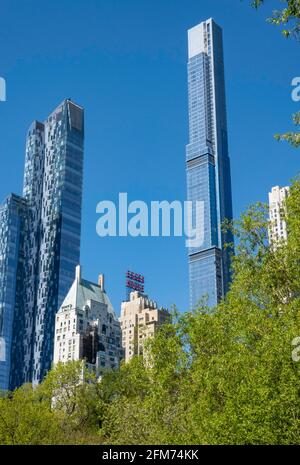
<point>208,164</point>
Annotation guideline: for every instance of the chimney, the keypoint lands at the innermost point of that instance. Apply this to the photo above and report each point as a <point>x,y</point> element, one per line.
<point>101,281</point>
<point>78,273</point>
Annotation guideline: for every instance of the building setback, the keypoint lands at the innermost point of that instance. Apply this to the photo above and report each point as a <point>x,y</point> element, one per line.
<point>50,250</point>
<point>140,319</point>
<point>208,164</point>
<point>86,327</point>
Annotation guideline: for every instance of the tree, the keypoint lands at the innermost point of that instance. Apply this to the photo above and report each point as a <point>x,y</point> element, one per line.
<point>292,137</point>
<point>63,409</point>
<point>71,389</point>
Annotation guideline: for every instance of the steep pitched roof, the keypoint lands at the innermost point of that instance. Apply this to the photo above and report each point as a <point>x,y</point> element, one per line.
<point>82,291</point>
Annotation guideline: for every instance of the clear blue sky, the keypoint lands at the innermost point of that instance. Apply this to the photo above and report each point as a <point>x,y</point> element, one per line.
<point>125,62</point>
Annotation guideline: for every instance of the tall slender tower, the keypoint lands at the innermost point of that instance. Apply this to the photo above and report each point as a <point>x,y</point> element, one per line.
<point>13,221</point>
<point>208,164</point>
<point>277,209</point>
<point>53,188</point>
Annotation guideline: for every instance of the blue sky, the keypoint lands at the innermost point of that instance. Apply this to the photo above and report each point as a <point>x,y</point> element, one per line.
<point>125,62</point>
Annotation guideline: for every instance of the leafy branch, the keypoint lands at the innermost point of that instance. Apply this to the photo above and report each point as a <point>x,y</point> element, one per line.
<point>292,137</point>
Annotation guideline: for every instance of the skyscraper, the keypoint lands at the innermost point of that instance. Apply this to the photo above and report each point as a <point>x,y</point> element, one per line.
<point>87,328</point>
<point>13,218</point>
<point>50,247</point>
<point>53,189</point>
<point>208,164</point>
<point>277,199</point>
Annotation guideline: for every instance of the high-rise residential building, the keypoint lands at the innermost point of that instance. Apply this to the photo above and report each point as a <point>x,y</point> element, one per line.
<point>140,319</point>
<point>86,327</point>
<point>277,229</point>
<point>13,225</point>
<point>53,189</point>
<point>208,163</point>
<point>50,249</point>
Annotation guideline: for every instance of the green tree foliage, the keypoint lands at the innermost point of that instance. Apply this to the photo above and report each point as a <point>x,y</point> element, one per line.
<point>25,418</point>
<point>292,137</point>
<point>61,410</point>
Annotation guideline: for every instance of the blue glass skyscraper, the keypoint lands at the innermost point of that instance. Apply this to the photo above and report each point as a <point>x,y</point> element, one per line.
<point>13,220</point>
<point>208,164</point>
<point>47,242</point>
